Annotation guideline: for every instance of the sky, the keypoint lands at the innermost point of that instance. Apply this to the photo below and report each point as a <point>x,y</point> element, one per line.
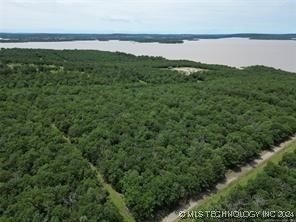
<point>148,16</point>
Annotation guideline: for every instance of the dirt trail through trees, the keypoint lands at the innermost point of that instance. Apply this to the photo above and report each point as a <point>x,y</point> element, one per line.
<point>116,197</point>
<point>229,177</point>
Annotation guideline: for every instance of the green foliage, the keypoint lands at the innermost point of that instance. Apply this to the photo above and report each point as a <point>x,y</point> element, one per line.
<point>156,135</point>
<point>273,189</point>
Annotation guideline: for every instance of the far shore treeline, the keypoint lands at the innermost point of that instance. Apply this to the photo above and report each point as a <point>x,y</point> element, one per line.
<point>160,38</point>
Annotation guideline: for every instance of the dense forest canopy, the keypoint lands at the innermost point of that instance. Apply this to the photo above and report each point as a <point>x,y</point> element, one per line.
<point>156,135</point>
<point>273,190</point>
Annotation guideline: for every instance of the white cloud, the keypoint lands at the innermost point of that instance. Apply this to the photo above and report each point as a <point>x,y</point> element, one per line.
<point>148,16</point>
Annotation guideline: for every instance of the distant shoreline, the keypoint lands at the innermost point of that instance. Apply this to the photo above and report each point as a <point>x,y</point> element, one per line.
<point>141,38</point>
<point>235,52</point>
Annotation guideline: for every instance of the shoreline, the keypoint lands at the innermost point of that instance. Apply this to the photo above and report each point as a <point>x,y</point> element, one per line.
<point>234,52</point>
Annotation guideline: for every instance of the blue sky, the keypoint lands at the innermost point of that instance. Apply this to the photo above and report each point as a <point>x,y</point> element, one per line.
<point>148,16</point>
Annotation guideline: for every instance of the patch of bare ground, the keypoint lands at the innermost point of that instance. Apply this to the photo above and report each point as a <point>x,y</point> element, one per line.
<point>188,70</point>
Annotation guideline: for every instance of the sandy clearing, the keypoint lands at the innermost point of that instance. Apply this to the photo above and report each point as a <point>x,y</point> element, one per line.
<point>187,70</point>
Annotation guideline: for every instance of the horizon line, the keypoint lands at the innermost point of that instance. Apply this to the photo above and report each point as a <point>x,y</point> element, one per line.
<point>126,33</point>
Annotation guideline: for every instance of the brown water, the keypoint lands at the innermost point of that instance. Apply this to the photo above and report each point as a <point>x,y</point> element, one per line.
<point>238,52</point>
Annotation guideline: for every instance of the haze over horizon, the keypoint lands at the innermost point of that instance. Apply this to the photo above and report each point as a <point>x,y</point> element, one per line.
<point>148,16</point>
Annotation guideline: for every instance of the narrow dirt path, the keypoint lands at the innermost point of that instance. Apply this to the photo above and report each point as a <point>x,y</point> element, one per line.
<point>230,176</point>
<point>116,198</point>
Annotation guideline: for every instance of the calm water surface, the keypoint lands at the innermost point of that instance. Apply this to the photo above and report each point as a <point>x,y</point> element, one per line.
<point>238,52</point>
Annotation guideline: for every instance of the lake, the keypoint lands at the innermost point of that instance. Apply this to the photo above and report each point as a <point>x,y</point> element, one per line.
<point>238,52</point>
